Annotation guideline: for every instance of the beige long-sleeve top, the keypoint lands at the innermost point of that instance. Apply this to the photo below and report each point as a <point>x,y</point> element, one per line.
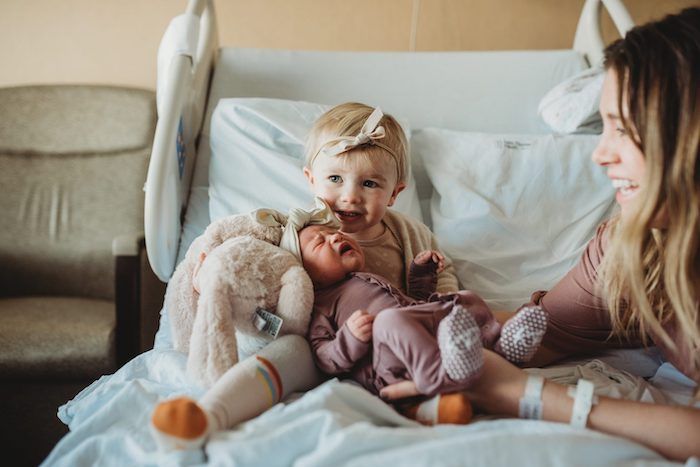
<point>404,239</point>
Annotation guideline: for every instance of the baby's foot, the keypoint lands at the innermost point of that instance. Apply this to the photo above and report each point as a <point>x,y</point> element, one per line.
<point>453,408</point>
<point>460,346</point>
<point>490,328</point>
<point>179,424</point>
<point>521,335</point>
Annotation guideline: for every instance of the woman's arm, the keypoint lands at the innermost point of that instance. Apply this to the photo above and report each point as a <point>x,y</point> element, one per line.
<point>544,356</point>
<point>673,431</point>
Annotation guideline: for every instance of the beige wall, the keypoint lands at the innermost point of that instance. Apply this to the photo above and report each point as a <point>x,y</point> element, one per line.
<point>116,41</point>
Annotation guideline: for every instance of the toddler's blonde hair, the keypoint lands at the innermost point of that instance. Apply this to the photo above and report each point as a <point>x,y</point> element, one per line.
<point>347,120</point>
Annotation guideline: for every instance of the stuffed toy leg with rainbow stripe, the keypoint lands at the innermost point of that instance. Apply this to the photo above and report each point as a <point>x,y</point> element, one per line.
<point>246,390</point>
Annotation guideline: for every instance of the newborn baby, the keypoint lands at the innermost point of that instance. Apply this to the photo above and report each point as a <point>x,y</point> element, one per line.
<point>364,327</point>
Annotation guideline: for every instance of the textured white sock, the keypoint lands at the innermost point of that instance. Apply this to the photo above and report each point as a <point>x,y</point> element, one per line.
<point>427,412</point>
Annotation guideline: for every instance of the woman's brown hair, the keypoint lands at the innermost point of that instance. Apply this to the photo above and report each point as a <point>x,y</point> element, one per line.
<point>651,273</point>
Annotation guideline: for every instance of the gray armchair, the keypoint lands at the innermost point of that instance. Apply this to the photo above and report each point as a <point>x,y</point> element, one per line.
<point>77,296</point>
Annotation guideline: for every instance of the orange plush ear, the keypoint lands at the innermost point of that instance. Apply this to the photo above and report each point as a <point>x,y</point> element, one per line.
<point>180,417</point>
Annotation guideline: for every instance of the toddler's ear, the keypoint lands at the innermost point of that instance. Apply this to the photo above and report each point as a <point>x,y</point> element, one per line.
<point>397,189</point>
<point>309,175</point>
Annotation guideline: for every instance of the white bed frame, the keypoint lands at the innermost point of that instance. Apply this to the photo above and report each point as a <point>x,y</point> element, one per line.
<point>185,101</point>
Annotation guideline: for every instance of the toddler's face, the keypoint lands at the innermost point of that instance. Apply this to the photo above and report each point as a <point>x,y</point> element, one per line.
<point>358,191</point>
<point>328,255</point>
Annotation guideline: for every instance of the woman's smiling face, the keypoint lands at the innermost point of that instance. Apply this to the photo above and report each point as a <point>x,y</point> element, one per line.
<point>617,151</point>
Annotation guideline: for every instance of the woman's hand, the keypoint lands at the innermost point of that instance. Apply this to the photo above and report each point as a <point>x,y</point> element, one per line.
<point>497,391</point>
<point>360,325</point>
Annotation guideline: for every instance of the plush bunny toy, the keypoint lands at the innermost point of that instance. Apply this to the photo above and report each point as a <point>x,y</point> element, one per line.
<point>232,289</point>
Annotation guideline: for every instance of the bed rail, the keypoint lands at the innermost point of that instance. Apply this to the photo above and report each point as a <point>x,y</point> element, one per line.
<point>588,40</point>
<point>185,61</point>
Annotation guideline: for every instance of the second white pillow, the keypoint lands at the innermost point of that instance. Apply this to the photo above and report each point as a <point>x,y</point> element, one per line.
<point>513,212</point>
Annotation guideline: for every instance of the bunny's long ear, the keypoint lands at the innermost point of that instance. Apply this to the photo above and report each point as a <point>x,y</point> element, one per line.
<point>213,346</point>
<point>181,297</point>
<point>296,301</point>
<point>269,217</point>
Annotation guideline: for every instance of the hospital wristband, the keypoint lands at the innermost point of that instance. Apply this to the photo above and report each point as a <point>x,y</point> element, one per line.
<point>584,400</point>
<point>531,403</point>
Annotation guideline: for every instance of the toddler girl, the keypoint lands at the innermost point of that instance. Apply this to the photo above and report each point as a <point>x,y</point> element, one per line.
<point>357,161</point>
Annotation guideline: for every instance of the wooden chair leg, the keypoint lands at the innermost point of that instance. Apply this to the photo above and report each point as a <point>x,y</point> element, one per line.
<point>128,307</point>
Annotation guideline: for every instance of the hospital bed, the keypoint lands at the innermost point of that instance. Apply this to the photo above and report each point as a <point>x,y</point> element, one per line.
<point>510,200</point>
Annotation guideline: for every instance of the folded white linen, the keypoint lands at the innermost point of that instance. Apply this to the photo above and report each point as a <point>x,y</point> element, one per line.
<point>335,424</point>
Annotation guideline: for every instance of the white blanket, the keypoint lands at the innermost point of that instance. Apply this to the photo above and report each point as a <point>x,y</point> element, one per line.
<point>336,424</point>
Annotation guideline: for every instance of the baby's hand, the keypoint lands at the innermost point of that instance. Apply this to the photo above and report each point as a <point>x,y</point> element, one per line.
<point>360,325</point>
<point>424,257</point>
<point>195,271</point>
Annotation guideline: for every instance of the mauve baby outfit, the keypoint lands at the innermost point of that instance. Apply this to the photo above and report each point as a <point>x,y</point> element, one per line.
<point>404,344</point>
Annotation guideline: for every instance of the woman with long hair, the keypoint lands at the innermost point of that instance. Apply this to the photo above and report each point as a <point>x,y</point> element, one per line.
<point>638,281</point>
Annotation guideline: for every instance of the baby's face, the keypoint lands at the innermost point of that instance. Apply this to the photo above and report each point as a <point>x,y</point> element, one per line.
<point>329,255</point>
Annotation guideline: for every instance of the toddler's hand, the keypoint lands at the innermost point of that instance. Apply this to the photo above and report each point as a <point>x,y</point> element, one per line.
<point>195,271</point>
<point>360,325</point>
<point>424,257</point>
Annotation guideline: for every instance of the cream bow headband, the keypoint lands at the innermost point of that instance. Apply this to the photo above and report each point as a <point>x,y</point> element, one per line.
<point>370,133</point>
<point>295,221</point>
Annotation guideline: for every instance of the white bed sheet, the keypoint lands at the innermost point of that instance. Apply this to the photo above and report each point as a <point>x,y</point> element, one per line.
<point>337,423</point>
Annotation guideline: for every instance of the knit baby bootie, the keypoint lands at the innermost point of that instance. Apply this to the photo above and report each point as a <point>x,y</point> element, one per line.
<point>522,334</point>
<point>459,340</point>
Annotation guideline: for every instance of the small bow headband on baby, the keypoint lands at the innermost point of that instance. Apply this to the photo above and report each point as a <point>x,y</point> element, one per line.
<point>297,219</point>
<point>370,133</point>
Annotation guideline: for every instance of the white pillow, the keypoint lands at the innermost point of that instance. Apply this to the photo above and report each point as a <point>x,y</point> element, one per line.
<point>513,212</point>
<point>257,155</point>
<point>572,105</point>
